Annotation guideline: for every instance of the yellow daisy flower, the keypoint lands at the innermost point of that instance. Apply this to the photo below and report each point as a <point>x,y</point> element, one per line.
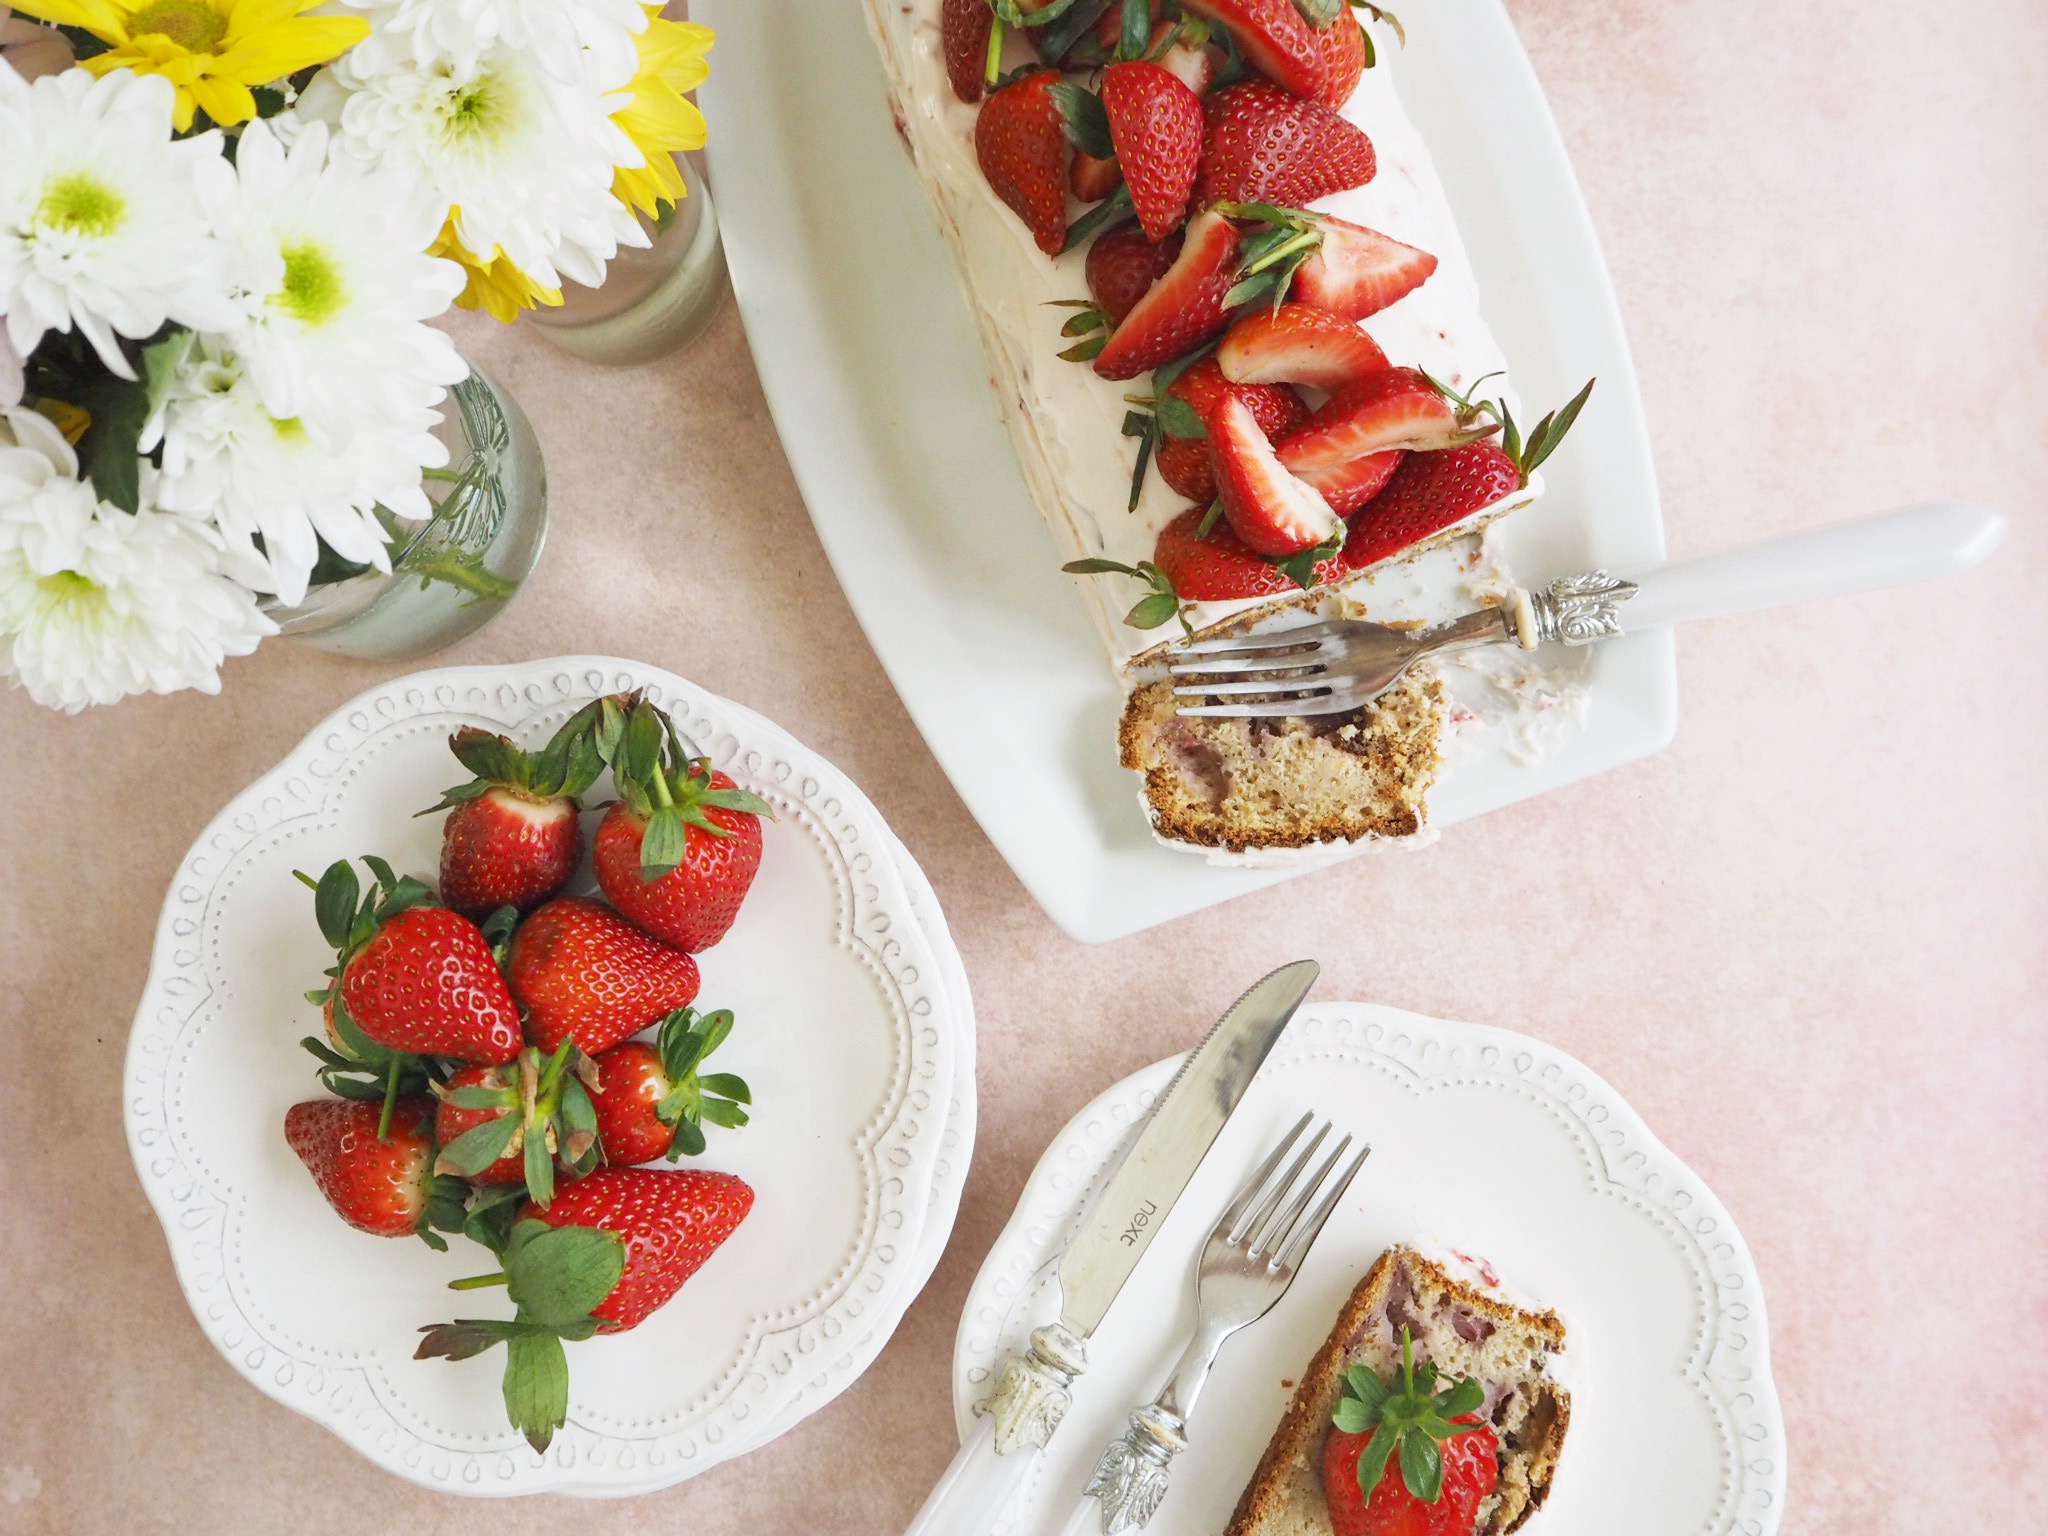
<point>211,50</point>
<point>657,118</point>
<point>494,285</point>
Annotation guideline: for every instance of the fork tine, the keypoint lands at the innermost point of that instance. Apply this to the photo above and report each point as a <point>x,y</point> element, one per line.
<point>1221,666</point>
<point>1306,704</point>
<point>1263,1212</point>
<point>1273,1236</point>
<point>1250,1190</point>
<point>1296,1246</point>
<point>1281,640</point>
<point>1319,681</point>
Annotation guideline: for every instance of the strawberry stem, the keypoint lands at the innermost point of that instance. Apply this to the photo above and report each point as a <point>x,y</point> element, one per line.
<point>390,1102</point>
<point>477,1282</point>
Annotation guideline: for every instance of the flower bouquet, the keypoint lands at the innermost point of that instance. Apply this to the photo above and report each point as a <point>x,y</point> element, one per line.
<point>225,226</point>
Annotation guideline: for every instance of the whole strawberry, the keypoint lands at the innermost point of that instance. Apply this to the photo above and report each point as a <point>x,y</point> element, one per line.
<point>584,973</point>
<point>1155,122</point>
<point>512,837</point>
<point>1431,491</point>
<point>1403,1459</point>
<point>414,977</point>
<point>1262,145</point>
<point>650,1100</point>
<point>509,1124</point>
<point>680,849</point>
<point>386,1188</point>
<point>609,1251</point>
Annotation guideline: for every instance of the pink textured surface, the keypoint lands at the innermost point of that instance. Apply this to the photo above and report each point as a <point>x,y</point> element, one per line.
<point>1806,941</point>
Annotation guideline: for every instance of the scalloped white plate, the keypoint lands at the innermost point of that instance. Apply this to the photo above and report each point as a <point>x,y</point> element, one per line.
<point>1484,1139</point>
<point>848,1035</point>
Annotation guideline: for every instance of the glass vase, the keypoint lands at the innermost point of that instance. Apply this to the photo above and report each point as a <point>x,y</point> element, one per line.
<point>455,571</point>
<point>653,301</point>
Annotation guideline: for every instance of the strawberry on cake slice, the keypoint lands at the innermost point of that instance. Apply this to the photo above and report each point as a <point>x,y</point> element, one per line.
<point>1239,349</point>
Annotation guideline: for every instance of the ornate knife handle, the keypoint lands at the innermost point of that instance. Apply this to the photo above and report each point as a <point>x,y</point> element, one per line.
<point>1032,1395</point>
<point>1574,610</point>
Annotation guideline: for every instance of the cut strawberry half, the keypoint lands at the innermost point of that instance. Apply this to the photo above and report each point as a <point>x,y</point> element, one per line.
<point>1262,145</point>
<point>1155,121</point>
<point>1091,178</point>
<point>1396,408</point>
<point>1184,461</point>
<point>1020,141</point>
<point>1274,40</point>
<point>1351,485</point>
<point>1122,264</point>
<point>1193,65</point>
<point>1355,271</point>
<point>964,27</point>
<point>1184,308</point>
<point>1298,344</point>
<point>1274,513</point>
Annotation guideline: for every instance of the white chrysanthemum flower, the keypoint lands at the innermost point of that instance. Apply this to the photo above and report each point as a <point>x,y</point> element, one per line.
<point>228,459</point>
<point>425,33</point>
<point>99,224</point>
<point>523,159</point>
<point>97,603</point>
<point>336,285</point>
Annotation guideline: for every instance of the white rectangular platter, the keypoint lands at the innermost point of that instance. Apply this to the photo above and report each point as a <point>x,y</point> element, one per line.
<point>870,363</point>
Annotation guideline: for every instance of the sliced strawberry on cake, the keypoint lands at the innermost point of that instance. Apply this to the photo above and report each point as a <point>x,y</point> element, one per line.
<point>1155,122</point>
<point>1274,40</point>
<point>1394,408</point>
<point>1266,506</point>
<point>1354,271</point>
<point>1298,344</point>
<point>1184,308</point>
<point>1183,455</point>
<point>1262,145</point>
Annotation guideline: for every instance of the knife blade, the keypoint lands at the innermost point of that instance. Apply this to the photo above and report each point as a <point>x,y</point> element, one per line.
<point>1184,1122</point>
<point>1031,1393</point>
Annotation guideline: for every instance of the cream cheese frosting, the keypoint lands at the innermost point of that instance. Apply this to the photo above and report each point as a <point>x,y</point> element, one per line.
<point>1065,420</point>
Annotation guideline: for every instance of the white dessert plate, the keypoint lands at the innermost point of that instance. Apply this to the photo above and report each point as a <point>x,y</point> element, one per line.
<point>1483,1140</point>
<point>871,366</point>
<point>849,1027</point>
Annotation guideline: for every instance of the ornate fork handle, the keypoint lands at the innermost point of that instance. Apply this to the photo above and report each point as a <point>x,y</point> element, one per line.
<point>1574,610</point>
<point>1131,1477</point>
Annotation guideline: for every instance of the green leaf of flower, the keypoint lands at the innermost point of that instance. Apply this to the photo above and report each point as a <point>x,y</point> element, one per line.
<point>536,1386</point>
<point>1422,1466</point>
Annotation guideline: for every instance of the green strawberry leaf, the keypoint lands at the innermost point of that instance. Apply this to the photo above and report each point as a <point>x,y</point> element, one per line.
<point>1055,38</point>
<point>479,1146</point>
<point>1151,612</point>
<point>1112,210</point>
<point>1462,1397</point>
<point>1095,566</point>
<point>723,1112</point>
<point>688,1142</point>
<point>1368,1387</point>
<point>557,1276</point>
<point>536,1386</point>
<point>334,903</point>
<point>1179,419</point>
<point>1372,1460</point>
<point>491,1218</point>
<point>663,843</point>
<point>725,1083</point>
<point>1319,13</point>
<point>479,1097</point>
<point>540,1171</point>
<point>464,1338</point>
<point>1136,30</point>
<point>1422,1466</point>
<point>1550,431</point>
<point>1351,1417</point>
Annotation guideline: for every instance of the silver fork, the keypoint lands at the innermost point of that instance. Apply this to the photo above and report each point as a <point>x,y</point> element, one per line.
<point>1246,1266</point>
<point>1327,668</point>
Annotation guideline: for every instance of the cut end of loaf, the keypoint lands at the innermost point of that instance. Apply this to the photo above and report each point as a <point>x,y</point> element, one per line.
<point>1462,1328</point>
<point>1242,785</point>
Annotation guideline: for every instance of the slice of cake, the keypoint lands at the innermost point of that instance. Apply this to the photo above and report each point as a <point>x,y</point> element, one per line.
<point>1463,1325</point>
<point>1238,346</point>
<point>1236,785</point>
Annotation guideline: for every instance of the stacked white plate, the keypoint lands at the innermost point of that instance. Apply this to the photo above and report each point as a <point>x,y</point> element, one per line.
<point>855,1030</point>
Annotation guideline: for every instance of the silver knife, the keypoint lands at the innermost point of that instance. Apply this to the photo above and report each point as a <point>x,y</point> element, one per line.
<point>1033,1391</point>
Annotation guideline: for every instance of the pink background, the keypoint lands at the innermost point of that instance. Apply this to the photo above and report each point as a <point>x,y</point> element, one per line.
<point>1805,941</point>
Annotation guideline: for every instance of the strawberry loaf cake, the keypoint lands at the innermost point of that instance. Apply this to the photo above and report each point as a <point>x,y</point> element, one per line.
<point>1238,346</point>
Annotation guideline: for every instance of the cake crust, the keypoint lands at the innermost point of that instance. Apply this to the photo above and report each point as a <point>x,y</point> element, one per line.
<point>1285,1494</point>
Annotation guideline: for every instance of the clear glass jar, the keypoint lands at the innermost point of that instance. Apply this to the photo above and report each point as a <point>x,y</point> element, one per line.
<point>653,301</point>
<point>455,571</point>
